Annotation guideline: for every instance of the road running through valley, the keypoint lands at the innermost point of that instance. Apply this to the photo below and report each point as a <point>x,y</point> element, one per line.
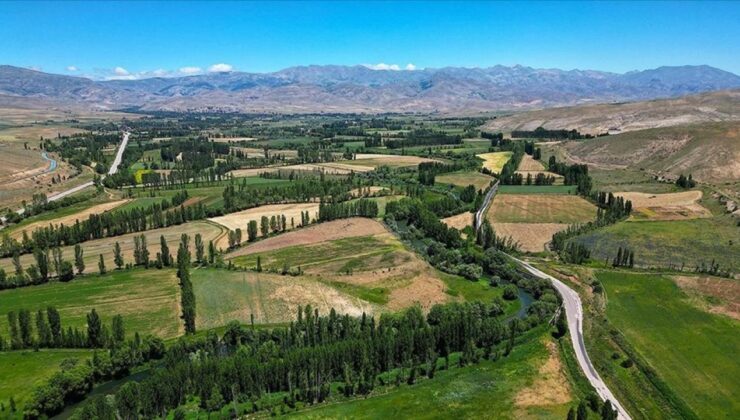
<point>573,313</point>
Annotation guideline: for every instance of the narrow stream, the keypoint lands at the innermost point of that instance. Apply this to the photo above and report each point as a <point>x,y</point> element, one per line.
<point>52,162</point>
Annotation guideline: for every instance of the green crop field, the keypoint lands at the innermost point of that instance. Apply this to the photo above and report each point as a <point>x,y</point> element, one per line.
<point>537,189</point>
<point>676,243</point>
<point>693,351</point>
<point>22,371</point>
<point>485,390</point>
<point>148,300</point>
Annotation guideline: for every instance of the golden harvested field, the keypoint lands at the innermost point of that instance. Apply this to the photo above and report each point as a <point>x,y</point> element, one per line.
<point>68,220</point>
<point>32,133</point>
<point>396,161</point>
<point>481,181</point>
<point>358,256</point>
<point>529,164</point>
<point>241,219</point>
<point>495,161</point>
<point>18,163</point>
<point>671,206</point>
<point>545,208</point>
<point>92,249</point>
<point>551,386</point>
<point>459,221</point>
<point>532,237</point>
<point>333,168</point>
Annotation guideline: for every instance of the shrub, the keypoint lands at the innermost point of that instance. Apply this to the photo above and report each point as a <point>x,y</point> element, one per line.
<point>510,292</point>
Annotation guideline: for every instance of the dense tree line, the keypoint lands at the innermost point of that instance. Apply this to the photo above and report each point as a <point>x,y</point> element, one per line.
<point>239,196</point>
<point>305,358</point>
<point>625,258</point>
<point>576,174</point>
<point>102,225</point>
<point>355,208</point>
<point>44,329</point>
<point>542,133</point>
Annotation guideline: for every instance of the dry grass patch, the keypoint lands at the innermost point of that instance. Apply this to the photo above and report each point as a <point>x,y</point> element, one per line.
<point>545,208</point>
<point>714,294</point>
<point>18,163</point>
<point>530,164</point>
<point>671,206</point>
<point>550,387</point>
<point>69,220</point>
<point>532,237</point>
<point>459,221</point>
<point>92,249</point>
<point>495,161</point>
<point>374,160</point>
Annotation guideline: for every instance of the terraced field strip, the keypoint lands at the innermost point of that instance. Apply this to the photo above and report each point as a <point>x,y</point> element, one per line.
<point>69,219</point>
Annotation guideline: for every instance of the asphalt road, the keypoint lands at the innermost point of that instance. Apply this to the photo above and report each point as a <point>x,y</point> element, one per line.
<point>573,313</point>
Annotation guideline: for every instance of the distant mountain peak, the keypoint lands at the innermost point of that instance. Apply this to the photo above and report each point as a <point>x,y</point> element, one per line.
<point>337,88</point>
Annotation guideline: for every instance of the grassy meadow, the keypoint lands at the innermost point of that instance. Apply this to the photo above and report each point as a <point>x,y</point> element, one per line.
<point>693,351</point>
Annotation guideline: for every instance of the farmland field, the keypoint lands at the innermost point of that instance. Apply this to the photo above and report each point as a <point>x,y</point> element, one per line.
<point>670,243</point>
<point>524,208</point>
<point>489,389</point>
<point>241,219</point>
<point>92,249</point>
<point>481,181</point>
<point>361,258</point>
<point>459,221</point>
<point>532,237</point>
<point>23,370</point>
<point>495,161</point>
<point>148,300</point>
<point>529,164</point>
<point>691,350</point>
<point>670,206</point>
<point>68,220</point>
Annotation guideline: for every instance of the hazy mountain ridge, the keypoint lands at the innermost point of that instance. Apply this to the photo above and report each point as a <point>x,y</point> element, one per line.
<point>358,88</point>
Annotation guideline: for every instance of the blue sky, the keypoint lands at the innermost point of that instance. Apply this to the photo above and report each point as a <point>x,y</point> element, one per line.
<point>139,39</point>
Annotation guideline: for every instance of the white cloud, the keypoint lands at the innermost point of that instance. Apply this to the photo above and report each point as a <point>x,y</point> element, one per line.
<point>120,71</point>
<point>383,66</point>
<point>191,70</point>
<point>157,73</point>
<point>220,68</point>
<point>410,67</point>
<point>72,68</point>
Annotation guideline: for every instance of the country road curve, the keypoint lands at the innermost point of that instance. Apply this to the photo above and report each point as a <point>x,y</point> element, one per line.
<point>574,314</point>
<point>113,169</point>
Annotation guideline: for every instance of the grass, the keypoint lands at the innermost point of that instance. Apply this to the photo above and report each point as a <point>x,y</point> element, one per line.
<point>495,161</point>
<point>477,291</point>
<point>485,390</point>
<point>545,208</point>
<point>147,299</point>
<point>22,371</point>
<point>463,179</point>
<point>537,189</point>
<point>352,252</point>
<point>693,351</point>
<point>671,243</point>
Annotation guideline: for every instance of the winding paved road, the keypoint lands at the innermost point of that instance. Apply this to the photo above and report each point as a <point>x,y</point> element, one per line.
<point>113,169</point>
<point>573,313</point>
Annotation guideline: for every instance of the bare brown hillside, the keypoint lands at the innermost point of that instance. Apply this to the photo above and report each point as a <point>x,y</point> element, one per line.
<point>709,151</point>
<point>630,116</point>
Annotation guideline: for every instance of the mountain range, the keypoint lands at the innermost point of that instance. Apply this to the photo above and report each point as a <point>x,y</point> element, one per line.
<point>361,89</point>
